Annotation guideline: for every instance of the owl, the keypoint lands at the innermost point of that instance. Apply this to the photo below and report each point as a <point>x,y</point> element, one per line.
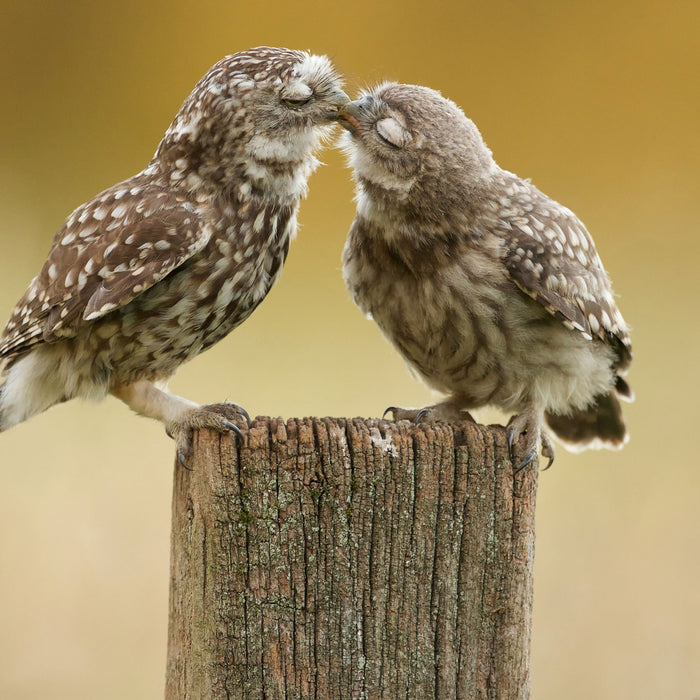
<point>156,269</point>
<point>492,292</point>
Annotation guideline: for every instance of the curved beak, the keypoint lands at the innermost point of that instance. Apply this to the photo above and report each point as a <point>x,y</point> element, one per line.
<point>337,100</point>
<point>349,116</point>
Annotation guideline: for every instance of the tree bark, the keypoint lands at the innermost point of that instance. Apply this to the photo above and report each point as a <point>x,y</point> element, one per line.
<point>337,558</point>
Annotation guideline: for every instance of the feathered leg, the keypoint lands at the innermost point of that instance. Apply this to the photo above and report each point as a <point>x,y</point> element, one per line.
<point>180,416</point>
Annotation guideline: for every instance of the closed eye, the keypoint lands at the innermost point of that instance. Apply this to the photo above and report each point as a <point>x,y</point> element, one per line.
<point>393,133</point>
<point>386,140</point>
<point>296,103</point>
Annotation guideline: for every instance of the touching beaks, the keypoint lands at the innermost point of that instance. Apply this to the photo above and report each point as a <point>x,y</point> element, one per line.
<point>337,100</point>
<point>349,116</point>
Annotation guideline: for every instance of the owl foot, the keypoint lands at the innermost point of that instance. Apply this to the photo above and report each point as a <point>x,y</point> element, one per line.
<point>438,413</point>
<point>529,423</point>
<point>216,416</point>
<point>180,416</point>
<point>230,410</point>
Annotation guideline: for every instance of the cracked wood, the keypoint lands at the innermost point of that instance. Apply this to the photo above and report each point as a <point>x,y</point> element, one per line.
<point>338,558</point>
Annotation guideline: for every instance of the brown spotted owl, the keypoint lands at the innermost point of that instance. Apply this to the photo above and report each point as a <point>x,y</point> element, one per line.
<point>491,291</point>
<point>158,268</point>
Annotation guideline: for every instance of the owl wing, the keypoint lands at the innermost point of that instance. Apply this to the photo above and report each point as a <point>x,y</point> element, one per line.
<point>551,257</point>
<point>111,249</point>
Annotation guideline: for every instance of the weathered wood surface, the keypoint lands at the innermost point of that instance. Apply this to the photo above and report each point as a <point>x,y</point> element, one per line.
<point>334,558</point>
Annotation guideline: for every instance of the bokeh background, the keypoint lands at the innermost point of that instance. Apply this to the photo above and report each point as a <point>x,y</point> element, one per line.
<point>597,102</point>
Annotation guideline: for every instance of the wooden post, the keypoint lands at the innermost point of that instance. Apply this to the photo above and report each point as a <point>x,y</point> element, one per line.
<point>337,558</point>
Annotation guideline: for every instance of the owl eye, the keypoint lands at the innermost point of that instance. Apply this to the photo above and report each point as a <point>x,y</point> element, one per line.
<point>296,94</point>
<point>391,132</point>
<point>300,102</point>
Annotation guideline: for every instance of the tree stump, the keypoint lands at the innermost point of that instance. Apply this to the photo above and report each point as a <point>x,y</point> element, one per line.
<point>338,558</point>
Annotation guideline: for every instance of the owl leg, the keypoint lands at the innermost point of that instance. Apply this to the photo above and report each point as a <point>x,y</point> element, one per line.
<point>444,412</point>
<point>529,423</point>
<point>180,416</point>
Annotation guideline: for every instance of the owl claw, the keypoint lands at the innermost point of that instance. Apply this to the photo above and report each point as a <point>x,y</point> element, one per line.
<point>183,462</point>
<point>234,428</point>
<point>212,417</point>
<point>445,412</point>
<point>238,409</point>
<point>422,414</point>
<point>528,458</point>
<point>547,449</point>
<point>225,410</point>
<point>512,439</point>
<point>413,415</point>
<point>528,424</point>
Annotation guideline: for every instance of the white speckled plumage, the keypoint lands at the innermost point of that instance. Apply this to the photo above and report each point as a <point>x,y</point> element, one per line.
<point>154,270</point>
<point>492,292</point>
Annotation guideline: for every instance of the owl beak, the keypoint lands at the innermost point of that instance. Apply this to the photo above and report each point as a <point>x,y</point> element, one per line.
<point>349,116</point>
<point>338,99</point>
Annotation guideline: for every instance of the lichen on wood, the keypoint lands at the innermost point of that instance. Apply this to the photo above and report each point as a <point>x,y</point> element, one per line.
<point>339,558</point>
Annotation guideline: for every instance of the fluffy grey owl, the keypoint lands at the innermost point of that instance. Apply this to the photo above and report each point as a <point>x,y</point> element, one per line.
<point>492,292</point>
<point>156,269</point>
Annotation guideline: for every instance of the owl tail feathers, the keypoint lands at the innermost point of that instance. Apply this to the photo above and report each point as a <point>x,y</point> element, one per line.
<point>597,426</point>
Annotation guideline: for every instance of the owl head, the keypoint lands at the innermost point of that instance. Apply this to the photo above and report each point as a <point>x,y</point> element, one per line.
<point>411,147</point>
<point>256,108</point>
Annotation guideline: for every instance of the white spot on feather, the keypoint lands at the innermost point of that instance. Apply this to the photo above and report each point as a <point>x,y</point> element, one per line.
<point>259,220</point>
<point>87,231</point>
<point>119,210</point>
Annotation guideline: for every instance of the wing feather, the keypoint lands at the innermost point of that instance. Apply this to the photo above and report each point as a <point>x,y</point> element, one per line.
<point>111,249</point>
<point>551,257</point>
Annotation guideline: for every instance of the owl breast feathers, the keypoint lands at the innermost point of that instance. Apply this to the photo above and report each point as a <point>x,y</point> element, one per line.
<point>491,291</point>
<point>154,270</point>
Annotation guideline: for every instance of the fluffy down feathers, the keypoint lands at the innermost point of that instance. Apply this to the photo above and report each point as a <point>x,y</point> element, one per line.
<point>492,292</point>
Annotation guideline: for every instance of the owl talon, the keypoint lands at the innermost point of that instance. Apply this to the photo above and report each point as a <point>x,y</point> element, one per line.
<point>224,413</point>
<point>201,418</point>
<point>245,414</point>
<point>445,412</point>
<point>512,439</point>
<point>240,410</point>
<point>409,414</point>
<point>183,437</point>
<point>528,458</point>
<point>422,414</point>
<point>536,439</point>
<point>183,462</point>
<point>547,449</point>
<point>233,427</point>
<point>169,431</point>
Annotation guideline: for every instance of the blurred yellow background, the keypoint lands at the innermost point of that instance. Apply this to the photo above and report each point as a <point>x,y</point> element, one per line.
<point>597,102</point>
